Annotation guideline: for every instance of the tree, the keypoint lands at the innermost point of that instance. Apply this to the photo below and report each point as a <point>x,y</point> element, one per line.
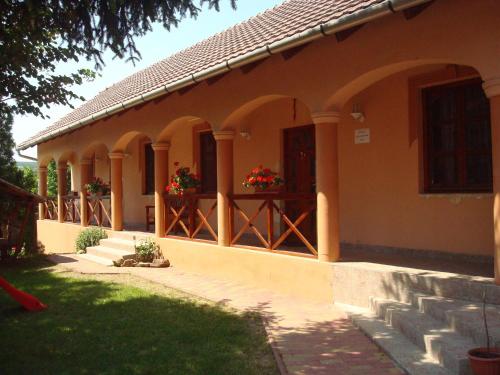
<point>8,167</point>
<point>52,179</point>
<point>36,35</point>
<point>29,180</point>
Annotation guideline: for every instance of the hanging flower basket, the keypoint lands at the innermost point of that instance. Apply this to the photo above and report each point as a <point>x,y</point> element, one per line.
<point>263,180</point>
<point>183,182</point>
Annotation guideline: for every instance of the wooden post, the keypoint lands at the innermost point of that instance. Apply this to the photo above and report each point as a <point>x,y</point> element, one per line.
<point>62,170</point>
<point>270,223</point>
<point>42,190</point>
<point>161,181</point>
<point>116,191</point>
<point>84,179</point>
<point>327,185</point>
<point>492,90</point>
<point>224,139</point>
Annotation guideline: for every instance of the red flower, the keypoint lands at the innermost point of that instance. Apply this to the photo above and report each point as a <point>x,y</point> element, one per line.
<point>176,163</point>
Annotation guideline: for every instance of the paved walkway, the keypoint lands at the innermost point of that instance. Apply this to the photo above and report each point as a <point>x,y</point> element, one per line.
<point>307,338</point>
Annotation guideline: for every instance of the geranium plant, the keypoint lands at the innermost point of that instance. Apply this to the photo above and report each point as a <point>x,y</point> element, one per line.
<point>97,185</point>
<point>182,180</point>
<point>262,178</point>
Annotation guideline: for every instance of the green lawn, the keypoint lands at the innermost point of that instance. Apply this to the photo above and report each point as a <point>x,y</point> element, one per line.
<point>96,326</point>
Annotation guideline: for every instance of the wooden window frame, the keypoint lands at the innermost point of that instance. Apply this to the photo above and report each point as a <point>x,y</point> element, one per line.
<point>416,84</point>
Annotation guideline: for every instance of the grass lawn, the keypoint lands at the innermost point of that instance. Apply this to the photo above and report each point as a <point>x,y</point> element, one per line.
<point>122,325</point>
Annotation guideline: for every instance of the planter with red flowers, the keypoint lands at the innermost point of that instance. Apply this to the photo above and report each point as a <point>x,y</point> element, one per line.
<point>97,187</point>
<point>263,180</point>
<point>183,181</point>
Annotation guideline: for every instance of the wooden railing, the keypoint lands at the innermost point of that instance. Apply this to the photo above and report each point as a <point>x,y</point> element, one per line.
<point>183,215</point>
<point>50,208</point>
<point>72,208</point>
<point>270,203</point>
<point>99,211</point>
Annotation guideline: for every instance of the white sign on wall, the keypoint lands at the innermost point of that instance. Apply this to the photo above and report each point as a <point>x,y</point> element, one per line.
<point>362,136</point>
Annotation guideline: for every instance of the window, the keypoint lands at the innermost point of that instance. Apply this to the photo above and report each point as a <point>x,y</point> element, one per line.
<point>149,169</point>
<point>457,138</point>
<point>208,162</point>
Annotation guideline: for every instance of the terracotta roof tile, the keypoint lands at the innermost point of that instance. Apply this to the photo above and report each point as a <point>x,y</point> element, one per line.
<point>272,25</point>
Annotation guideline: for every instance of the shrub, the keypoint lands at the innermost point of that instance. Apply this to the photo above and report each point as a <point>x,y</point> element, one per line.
<point>89,237</point>
<point>146,250</point>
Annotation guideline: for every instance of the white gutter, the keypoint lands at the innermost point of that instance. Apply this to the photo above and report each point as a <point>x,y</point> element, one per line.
<point>328,28</point>
<point>26,156</point>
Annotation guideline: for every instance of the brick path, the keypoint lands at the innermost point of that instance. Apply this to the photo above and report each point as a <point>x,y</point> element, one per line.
<point>307,337</point>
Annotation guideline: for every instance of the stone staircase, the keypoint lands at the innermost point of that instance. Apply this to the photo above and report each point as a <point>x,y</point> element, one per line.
<point>119,245</point>
<point>424,331</point>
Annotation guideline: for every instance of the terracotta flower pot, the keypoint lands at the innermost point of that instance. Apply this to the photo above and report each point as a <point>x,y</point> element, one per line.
<point>269,189</point>
<point>484,361</point>
<point>191,190</point>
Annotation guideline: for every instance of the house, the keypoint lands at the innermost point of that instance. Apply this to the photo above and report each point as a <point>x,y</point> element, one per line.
<point>381,116</point>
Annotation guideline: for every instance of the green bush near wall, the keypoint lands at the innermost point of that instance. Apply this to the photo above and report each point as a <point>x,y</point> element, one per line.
<point>89,237</point>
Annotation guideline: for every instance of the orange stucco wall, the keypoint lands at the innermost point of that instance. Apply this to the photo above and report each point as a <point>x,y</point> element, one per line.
<point>380,202</point>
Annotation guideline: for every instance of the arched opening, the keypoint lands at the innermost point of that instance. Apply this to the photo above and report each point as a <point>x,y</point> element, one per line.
<point>95,180</point>
<point>414,162</point>
<point>137,178</point>
<point>276,133</point>
<point>67,194</point>
<point>192,162</point>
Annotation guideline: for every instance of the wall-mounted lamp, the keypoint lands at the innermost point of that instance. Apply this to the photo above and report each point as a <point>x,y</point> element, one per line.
<point>357,114</point>
<point>245,134</point>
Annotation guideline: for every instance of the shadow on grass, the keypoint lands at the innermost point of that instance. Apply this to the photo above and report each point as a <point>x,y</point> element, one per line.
<point>94,327</point>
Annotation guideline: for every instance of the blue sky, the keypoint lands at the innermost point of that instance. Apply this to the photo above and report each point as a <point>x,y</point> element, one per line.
<point>155,46</point>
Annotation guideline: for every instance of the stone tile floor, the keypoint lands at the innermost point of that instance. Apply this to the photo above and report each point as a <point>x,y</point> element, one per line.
<point>307,337</point>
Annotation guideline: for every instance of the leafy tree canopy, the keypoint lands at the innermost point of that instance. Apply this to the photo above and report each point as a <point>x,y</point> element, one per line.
<point>37,35</point>
<point>8,167</point>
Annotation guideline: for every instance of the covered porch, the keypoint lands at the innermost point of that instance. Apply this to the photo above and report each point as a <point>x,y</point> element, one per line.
<point>324,211</point>
<point>394,153</point>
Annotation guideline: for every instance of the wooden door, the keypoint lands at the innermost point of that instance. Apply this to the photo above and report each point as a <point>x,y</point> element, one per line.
<point>300,177</point>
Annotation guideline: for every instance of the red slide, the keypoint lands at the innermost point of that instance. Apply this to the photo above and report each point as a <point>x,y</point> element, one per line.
<point>29,302</point>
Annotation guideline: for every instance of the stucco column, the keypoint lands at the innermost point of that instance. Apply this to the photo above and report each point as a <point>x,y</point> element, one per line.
<point>42,190</point>
<point>224,139</point>
<point>492,90</point>
<point>116,190</point>
<point>84,179</point>
<point>62,170</point>
<point>161,180</point>
<point>327,185</point>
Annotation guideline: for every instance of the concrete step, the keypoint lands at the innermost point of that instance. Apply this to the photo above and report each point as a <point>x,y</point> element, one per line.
<point>464,317</point>
<point>96,259</point>
<point>398,283</point>
<point>118,243</point>
<point>431,335</point>
<point>128,235</point>
<point>406,354</point>
<point>109,253</point>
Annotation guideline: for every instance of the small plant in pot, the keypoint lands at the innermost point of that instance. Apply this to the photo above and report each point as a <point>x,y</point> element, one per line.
<point>485,361</point>
<point>263,180</point>
<point>183,181</point>
<point>146,250</point>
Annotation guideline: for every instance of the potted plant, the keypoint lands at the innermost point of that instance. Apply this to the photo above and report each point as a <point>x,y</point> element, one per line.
<point>485,361</point>
<point>97,187</point>
<point>263,180</point>
<point>183,181</point>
